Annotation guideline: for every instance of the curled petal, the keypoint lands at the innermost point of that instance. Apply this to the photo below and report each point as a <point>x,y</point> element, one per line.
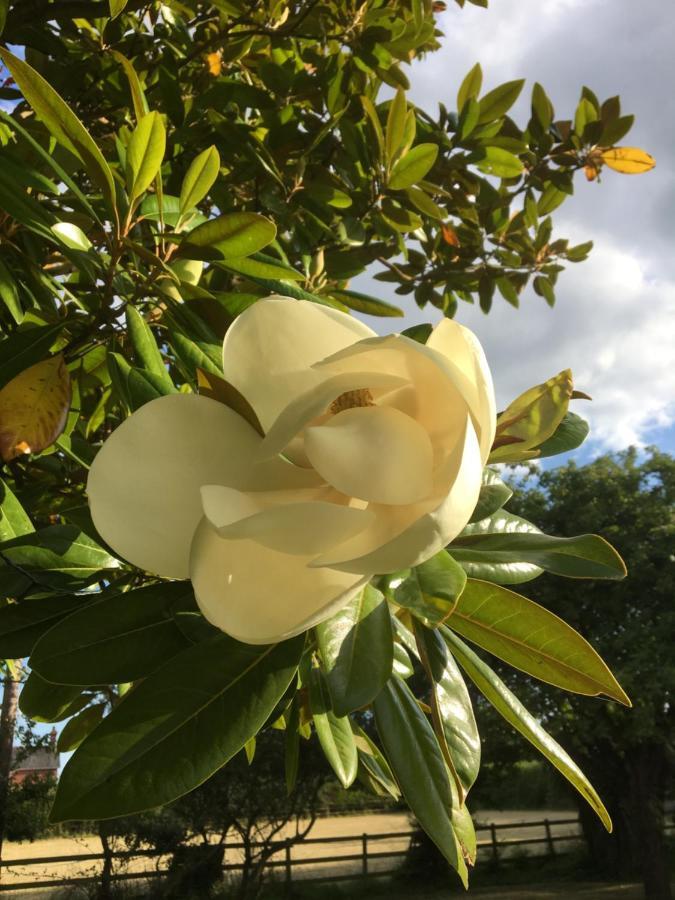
<point>144,484</point>
<point>259,595</point>
<point>408,535</point>
<point>269,350</point>
<point>465,361</point>
<point>375,453</point>
<point>306,527</point>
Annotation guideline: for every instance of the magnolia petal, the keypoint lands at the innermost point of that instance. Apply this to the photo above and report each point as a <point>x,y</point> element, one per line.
<point>434,401</point>
<point>309,527</point>
<point>144,484</point>
<point>467,365</point>
<point>375,453</point>
<point>259,595</point>
<point>316,401</point>
<point>407,536</point>
<point>270,348</point>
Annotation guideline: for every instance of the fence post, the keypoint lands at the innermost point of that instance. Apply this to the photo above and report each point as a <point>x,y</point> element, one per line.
<point>289,866</point>
<point>495,850</point>
<point>549,838</point>
<point>364,856</point>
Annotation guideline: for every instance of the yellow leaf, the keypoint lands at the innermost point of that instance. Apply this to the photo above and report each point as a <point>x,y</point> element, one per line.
<point>215,63</point>
<point>33,408</point>
<point>531,419</point>
<point>628,160</point>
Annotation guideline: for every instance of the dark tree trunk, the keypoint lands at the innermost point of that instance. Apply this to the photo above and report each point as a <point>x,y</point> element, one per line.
<point>105,885</point>
<point>633,789</point>
<point>10,697</point>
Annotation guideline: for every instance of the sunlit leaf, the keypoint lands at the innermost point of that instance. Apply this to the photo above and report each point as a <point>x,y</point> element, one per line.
<point>628,160</point>
<point>199,178</point>
<point>145,154</point>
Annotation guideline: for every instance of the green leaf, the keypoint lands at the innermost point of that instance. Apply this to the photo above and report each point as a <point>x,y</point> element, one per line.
<point>24,622</point>
<point>196,354</point>
<point>61,122</point>
<point>570,434</point>
<point>424,204</point>
<point>363,303</point>
<point>416,760</point>
<point>77,729</point>
<point>542,108</point>
<point>499,101</point>
<point>9,293</point>
<point>371,112</point>
<point>44,702</point>
<point>508,705</point>
<point>582,556</point>
<point>532,639</point>
<point>135,386</point>
<point>24,348</point>
<point>493,495</point>
<point>118,638</point>
<point>334,732</point>
<point>478,564</point>
<point>14,520</point>
<point>498,162</point>
<point>4,9</point>
<point>432,588</point>
<point>357,650</point>
<point>60,557</point>
<point>372,759</point>
<point>72,236</point>
<point>199,178</point>
<point>413,166</point>
<point>201,706</point>
<point>470,86</point>
<point>137,94</point>
<point>145,154</point>
<point>262,266</point>
<point>116,7</point>
<point>145,347</point>
<point>395,129</point>
<point>233,234</point>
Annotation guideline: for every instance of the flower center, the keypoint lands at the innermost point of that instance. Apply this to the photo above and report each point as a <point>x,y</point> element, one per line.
<point>352,399</point>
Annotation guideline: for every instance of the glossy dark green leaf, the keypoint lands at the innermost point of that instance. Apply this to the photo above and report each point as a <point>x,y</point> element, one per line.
<point>202,706</point>
<point>363,303</point>
<point>493,495</point>
<point>262,266</point>
<point>232,234</point>
<point>356,646</point>
<point>478,564</point>
<point>61,122</point>
<point>413,166</point>
<point>529,637</point>
<point>583,556</point>
<point>60,557</point>
<point>570,434</point>
<point>500,163</point>
<point>394,132</point>
<point>431,590</point>
<point>334,732</point>
<point>77,728</point>
<point>508,705</point>
<point>499,101</point>
<point>24,348</point>
<point>196,355</point>
<point>24,622</point>
<point>44,702</point>
<point>373,760</point>
<point>134,386</point>
<point>199,178</point>
<point>416,760</point>
<point>119,638</point>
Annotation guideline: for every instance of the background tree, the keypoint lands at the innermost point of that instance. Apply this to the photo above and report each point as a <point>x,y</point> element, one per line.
<point>629,754</point>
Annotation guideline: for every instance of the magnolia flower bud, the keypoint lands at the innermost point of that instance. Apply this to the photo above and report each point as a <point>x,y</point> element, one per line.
<point>371,462</point>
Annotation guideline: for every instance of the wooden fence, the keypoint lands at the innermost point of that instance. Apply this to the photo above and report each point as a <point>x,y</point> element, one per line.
<point>368,852</point>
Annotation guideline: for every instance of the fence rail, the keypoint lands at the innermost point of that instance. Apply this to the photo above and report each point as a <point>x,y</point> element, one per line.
<point>360,864</point>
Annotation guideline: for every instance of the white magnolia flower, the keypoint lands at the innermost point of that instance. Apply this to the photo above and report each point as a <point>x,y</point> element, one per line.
<point>371,462</point>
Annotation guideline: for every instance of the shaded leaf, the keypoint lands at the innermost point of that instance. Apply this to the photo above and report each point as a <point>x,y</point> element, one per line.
<point>334,732</point>
<point>431,590</point>
<point>24,622</point>
<point>77,729</point>
<point>493,495</point>
<point>167,719</point>
<point>24,348</point>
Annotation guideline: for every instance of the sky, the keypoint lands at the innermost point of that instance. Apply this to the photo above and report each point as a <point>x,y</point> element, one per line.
<point>614,319</point>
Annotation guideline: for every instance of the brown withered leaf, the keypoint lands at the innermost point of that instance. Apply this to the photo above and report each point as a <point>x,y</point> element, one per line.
<point>210,385</point>
<point>34,407</point>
